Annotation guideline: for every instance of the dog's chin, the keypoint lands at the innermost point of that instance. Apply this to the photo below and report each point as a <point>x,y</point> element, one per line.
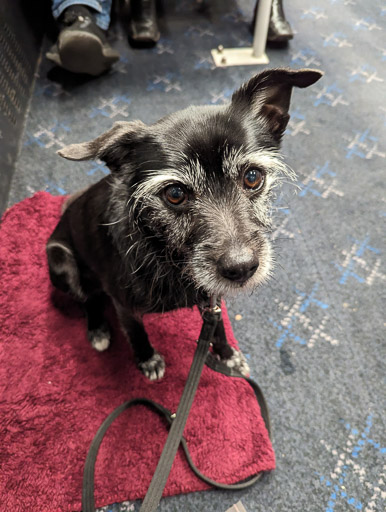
<point>214,284</point>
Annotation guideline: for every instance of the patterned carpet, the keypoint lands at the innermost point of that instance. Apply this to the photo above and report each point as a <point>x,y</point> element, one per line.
<point>315,336</point>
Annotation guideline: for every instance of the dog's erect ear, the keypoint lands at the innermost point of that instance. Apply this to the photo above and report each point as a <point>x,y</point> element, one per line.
<point>106,146</point>
<point>268,95</point>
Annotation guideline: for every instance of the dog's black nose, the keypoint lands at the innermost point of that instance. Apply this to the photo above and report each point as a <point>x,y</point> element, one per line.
<point>238,266</point>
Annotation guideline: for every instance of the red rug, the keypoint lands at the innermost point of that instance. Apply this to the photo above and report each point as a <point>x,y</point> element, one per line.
<point>55,391</point>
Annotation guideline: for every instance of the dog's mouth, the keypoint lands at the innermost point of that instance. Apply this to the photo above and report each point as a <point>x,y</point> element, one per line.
<point>224,287</point>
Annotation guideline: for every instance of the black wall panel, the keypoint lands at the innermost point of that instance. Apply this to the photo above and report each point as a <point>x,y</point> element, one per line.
<point>21,30</point>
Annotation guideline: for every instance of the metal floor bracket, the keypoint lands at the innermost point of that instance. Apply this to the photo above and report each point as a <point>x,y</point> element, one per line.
<point>224,57</point>
<point>248,56</point>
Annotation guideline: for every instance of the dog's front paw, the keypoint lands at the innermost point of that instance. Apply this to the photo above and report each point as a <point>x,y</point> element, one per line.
<point>153,368</point>
<point>100,338</point>
<point>238,362</point>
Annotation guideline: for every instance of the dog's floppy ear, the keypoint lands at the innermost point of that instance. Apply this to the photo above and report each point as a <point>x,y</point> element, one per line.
<point>107,146</point>
<point>268,95</point>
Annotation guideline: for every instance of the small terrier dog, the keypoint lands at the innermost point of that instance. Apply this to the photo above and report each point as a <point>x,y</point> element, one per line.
<point>184,214</point>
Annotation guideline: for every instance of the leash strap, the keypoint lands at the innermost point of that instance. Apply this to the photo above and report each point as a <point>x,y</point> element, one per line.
<point>177,422</point>
<point>165,462</point>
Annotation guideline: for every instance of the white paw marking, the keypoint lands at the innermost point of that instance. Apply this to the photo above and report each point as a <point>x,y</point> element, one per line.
<point>238,362</point>
<point>100,339</point>
<point>153,368</point>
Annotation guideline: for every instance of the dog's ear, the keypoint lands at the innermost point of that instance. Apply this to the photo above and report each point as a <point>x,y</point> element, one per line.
<point>110,147</point>
<point>268,94</point>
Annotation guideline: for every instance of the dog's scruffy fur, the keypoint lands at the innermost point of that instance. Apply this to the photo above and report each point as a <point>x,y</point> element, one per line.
<point>179,218</point>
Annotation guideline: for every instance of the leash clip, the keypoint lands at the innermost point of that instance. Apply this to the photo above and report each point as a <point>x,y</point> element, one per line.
<point>213,308</point>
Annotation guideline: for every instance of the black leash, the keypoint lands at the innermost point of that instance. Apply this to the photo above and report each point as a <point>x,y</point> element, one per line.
<point>177,421</point>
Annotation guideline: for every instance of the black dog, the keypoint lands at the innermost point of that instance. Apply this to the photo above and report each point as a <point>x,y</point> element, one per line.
<point>183,215</point>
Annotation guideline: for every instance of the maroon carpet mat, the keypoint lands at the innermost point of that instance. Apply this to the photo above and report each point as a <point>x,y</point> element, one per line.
<point>55,391</point>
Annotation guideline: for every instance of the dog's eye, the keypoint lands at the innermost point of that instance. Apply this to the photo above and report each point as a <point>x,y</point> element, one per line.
<point>175,195</point>
<point>253,179</point>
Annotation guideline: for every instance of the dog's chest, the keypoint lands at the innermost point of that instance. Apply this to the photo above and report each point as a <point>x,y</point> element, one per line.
<point>148,295</point>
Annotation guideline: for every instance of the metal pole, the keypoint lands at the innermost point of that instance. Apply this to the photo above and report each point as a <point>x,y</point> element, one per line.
<point>261,27</point>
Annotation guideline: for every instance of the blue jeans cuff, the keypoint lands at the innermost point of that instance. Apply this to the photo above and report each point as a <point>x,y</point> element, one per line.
<point>102,18</point>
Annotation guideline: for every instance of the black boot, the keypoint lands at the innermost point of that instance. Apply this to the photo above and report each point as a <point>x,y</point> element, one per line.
<point>82,46</point>
<point>279,30</point>
<point>143,22</point>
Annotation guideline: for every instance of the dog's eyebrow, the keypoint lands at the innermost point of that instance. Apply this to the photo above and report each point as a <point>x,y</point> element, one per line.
<point>195,175</point>
<point>187,172</point>
<point>269,160</point>
<point>154,181</point>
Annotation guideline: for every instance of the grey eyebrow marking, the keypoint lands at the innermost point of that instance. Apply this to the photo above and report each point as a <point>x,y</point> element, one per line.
<point>270,160</point>
<point>191,175</point>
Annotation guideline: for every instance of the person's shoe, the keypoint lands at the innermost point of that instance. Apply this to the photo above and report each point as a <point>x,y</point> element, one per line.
<point>279,29</point>
<point>143,27</point>
<point>82,46</point>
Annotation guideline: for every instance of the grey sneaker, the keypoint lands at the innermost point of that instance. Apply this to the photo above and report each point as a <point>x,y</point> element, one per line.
<point>82,46</point>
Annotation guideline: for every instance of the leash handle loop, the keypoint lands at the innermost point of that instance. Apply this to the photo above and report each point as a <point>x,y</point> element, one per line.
<point>177,421</point>
<point>88,503</point>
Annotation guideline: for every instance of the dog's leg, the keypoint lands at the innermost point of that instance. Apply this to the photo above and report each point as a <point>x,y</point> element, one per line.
<point>65,276</point>
<point>63,269</point>
<point>98,331</point>
<point>221,346</point>
<point>230,356</point>
<point>149,361</point>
